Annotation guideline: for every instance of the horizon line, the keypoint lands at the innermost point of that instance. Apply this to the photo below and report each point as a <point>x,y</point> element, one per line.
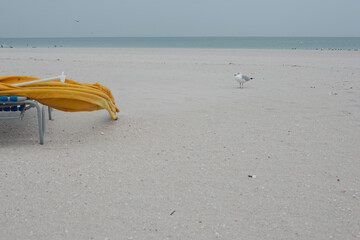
<point>189,37</point>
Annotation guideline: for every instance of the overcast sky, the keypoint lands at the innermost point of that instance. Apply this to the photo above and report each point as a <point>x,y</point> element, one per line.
<point>123,18</point>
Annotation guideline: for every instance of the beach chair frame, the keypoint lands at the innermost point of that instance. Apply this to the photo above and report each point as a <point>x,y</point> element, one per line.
<point>22,104</point>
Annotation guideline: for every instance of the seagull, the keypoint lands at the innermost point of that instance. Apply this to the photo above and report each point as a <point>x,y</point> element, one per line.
<point>241,78</point>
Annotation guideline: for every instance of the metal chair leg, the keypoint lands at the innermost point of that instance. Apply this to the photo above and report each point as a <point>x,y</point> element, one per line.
<point>40,122</point>
<point>43,121</point>
<point>50,115</point>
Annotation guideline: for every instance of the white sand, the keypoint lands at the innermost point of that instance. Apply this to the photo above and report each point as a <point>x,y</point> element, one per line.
<point>186,140</point>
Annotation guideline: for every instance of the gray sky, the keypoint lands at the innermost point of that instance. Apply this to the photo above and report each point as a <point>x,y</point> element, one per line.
<point>122,18</point>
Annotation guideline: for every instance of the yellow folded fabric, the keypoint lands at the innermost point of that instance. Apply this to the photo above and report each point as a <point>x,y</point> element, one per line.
<point>70,96</point>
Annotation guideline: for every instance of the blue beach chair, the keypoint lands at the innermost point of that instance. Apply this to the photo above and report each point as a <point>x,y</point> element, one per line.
<point>9,105</point>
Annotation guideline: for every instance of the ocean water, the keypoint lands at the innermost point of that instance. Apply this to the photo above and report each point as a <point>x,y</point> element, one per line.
<point>310,43</point>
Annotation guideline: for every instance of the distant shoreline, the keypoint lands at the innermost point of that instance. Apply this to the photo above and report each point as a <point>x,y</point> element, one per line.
<point>304,43</point>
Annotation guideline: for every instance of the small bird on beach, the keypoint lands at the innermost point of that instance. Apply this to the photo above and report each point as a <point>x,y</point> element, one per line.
<point>242,78</point>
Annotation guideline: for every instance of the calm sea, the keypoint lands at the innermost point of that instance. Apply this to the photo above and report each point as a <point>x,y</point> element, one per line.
<point>343,43</point>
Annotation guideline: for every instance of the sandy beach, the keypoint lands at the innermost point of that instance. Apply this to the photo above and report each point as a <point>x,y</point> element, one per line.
<point>191,156</point>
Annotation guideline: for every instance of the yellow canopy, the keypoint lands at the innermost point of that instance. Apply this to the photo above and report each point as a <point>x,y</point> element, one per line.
<point>70,96</point>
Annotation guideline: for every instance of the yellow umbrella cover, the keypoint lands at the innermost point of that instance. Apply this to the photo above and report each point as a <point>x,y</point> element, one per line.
<point>70,96</point>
